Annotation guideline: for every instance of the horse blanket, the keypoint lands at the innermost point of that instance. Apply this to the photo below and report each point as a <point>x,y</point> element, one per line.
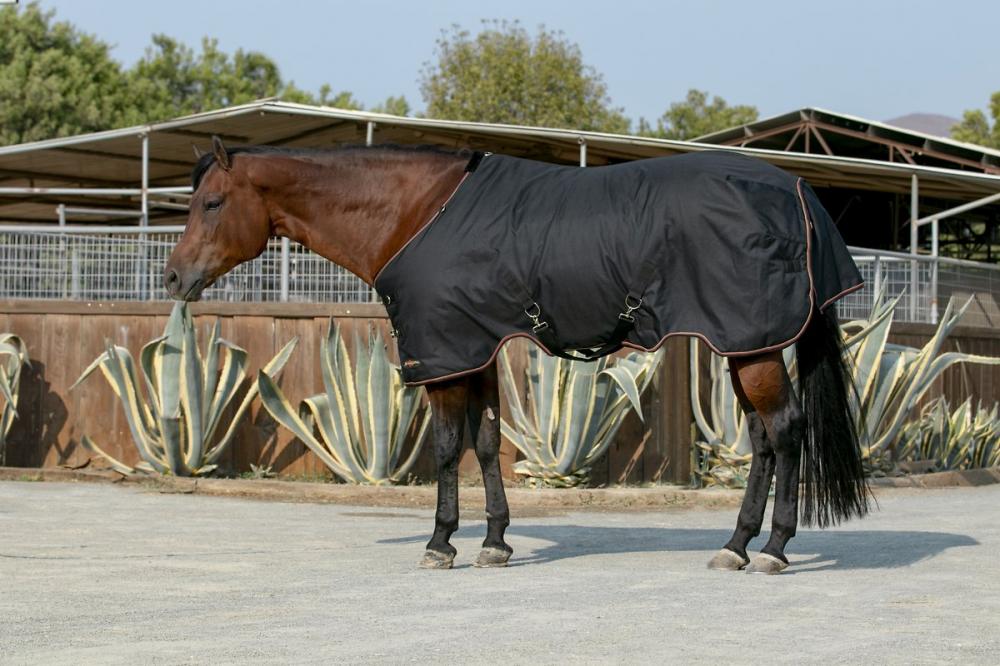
<point>714,244</point>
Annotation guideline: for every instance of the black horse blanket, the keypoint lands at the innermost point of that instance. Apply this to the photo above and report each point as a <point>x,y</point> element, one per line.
<point>714,244</point>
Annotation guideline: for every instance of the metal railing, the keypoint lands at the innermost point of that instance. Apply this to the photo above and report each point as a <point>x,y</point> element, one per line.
<point>126,263</point>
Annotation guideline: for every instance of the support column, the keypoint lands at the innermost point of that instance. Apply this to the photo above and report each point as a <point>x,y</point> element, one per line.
<point>143,278</point>
<point>934,272</point>
<point>370,133</point>
<point>583,151</point>
<point>914,239</point>
<point>286,247</point>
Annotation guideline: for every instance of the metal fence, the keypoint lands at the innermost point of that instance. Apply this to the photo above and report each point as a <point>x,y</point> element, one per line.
<point>126,263</point>
<point>106,264</point>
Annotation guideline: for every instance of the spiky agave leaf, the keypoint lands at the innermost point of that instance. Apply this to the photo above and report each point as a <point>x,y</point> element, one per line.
<point>174,424</point>
<point>575,411</point>
<point>363,416</point>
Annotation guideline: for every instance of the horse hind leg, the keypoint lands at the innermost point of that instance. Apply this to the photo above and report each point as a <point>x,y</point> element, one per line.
<point>733,556</point>
<point>765,382</point>
<point>484,424</point>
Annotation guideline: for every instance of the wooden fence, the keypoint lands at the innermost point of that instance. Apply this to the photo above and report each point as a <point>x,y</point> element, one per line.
<point>64,337</point>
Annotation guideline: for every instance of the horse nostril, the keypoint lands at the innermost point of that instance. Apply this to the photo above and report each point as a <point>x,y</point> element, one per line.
<point>171,280</point>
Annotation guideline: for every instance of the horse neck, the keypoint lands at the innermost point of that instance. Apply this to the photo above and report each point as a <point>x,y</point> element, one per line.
<point>356,208</point>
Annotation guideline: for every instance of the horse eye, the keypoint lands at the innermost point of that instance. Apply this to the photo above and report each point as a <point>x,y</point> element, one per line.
<point>213,204</point>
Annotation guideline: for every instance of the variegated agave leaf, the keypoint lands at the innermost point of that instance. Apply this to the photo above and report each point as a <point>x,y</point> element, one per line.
<point>174,424</point>
<point>575,411</point>
<point>13,356</point>
<point>963,438</point>
<point>361,423</point>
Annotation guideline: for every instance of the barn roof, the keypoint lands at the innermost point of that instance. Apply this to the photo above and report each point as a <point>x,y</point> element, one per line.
<point>113,159</point>
<point>814,130</point>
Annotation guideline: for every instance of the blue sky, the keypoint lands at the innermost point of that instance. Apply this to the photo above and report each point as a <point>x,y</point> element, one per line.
<point>877,58</point>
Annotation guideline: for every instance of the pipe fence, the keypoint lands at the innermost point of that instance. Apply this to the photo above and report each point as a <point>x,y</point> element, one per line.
<point>101,263</point>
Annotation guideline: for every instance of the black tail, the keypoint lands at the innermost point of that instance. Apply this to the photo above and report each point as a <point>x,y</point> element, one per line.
<point>834,486</point>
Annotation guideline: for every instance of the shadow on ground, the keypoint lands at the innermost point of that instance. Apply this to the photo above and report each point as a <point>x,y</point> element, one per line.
<point>809,551</point>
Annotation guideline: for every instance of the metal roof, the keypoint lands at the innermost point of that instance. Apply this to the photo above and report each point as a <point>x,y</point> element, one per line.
<point>112,159</point>
<point>847,135</point>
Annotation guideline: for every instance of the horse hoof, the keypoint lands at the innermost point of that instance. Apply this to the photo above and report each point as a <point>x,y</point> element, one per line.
<point>435,560</point>
<point>766,564</point>
<point>492,557</point>
<point>727,560</point>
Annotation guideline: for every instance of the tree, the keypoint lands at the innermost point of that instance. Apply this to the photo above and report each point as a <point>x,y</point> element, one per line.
<point>504,75</point>
<point>396,106</point>
<point>975,128</point>
<point>54,80</point>
<point>171,80</point>
<point>695,117</point>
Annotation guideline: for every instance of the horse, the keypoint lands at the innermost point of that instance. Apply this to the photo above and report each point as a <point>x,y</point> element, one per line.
<point>363,208</point>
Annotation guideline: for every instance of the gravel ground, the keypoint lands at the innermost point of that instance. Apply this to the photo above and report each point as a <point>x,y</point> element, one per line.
<point>105,574</point>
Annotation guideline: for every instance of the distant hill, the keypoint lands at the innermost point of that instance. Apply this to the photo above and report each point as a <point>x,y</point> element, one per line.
<point>928,123</point>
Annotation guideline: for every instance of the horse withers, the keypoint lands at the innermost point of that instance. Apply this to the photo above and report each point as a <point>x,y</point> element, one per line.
<point>468,252</point>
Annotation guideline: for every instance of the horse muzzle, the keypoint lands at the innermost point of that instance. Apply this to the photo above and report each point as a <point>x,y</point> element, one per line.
<point>183,287</point>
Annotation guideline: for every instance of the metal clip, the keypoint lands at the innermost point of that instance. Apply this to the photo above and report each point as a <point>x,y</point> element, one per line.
<point>629,308</point>
<point>533,316</point>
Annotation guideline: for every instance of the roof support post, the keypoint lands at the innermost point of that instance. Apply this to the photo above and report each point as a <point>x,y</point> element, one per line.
<point>583,151</point>
<point>143,280</point>
<point>914,239</point>
<point>934,272</point>
<point>370,133</point>
<point>286,247</point>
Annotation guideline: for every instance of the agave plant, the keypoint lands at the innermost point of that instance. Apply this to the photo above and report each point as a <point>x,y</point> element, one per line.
<point>174,428</point>
<point>16,355</point>
<point>965,438</point>
<point>364,416</point>
<point>575,411</point>
<point>888,380</point>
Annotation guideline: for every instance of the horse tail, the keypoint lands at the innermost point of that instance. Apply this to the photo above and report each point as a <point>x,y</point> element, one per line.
<point>833,479</point>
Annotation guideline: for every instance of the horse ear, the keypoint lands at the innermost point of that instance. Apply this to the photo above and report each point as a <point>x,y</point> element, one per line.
<point>197,151</point>
<point>221,154</point>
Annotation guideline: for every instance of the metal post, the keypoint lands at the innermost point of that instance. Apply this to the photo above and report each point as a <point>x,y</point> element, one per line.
<point>934,272</point>
<point>143,281</point>
<point>583,151</point>
<point>286,247</point>
<point>61,212</point>
<point>914,239</point>
<point>878,277</point>
<point>370,133</point>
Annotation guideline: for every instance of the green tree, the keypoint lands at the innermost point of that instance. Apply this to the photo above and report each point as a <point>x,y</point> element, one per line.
<point>396,106</point>
<point>505,75</point>
<point>696,116</point>
<point>54,80</point>
<point>171,80</point>
<point>975,128</point>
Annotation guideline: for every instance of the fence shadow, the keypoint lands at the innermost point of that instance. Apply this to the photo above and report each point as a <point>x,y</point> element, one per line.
<point>811,550</point>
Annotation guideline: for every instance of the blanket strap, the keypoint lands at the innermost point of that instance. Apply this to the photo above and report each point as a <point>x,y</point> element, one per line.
<point>626,320</point>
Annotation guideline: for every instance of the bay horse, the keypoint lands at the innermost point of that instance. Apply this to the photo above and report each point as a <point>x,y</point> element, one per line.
<point>360,207</point>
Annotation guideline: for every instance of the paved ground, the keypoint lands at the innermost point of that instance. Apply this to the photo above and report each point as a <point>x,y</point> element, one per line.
<point>103,574</point>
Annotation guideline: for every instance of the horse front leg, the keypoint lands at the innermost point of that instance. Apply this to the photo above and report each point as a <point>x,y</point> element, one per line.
<point>484,424</point>
<point>448,401</point>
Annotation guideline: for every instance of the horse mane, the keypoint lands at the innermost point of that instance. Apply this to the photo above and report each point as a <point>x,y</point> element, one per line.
<point>208,159</point>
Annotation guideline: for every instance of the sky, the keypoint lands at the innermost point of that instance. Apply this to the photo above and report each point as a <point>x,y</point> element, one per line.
<point>877,58</point>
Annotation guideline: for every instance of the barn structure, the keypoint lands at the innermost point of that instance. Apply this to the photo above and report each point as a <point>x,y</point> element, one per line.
<point>86,224</point>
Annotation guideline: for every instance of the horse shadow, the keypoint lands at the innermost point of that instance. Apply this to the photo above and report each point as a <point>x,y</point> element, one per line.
<point>810,551</point>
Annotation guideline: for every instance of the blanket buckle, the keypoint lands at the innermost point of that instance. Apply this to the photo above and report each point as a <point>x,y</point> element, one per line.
<point>534,311</point>
<point>629,308</point>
